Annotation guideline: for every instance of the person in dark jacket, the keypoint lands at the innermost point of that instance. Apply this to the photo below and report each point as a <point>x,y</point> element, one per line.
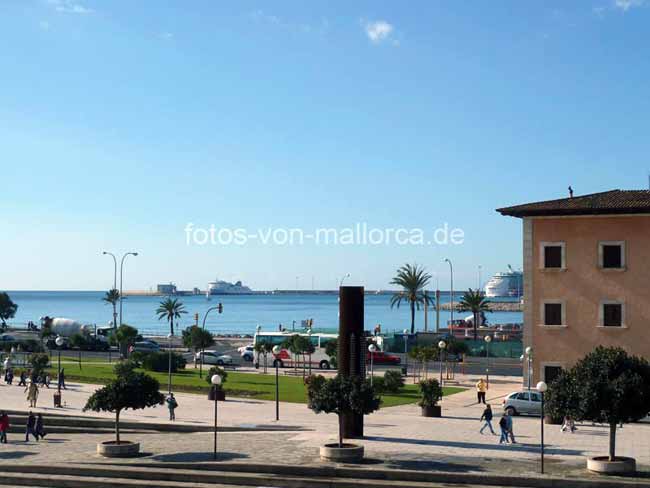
<point>40,429</point>
<point>61,379</point>
<point>23,379</point>
<point>31,427</point>
<point>487,417</point>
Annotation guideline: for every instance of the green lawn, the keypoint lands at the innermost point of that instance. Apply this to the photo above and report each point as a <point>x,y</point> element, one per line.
<point>253,385</point>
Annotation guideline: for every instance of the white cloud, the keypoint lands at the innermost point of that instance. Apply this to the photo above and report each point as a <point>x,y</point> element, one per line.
<point>68,7</point>
<point>626,5</point>
<point>378,31</point>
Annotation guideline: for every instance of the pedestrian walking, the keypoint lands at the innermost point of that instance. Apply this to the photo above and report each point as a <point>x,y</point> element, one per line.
<point>503,426</point>
<point>10,377</point>
<point>172,404</point>
<point>61,379</point>
<point>487,419</point>
<point>481,388</point>
<point>32,394</point>
<point>40,429</point>
<point>568,424</point>
<point>511,432</point>
<point>30,427</point>
<point>23,379</point>
<point>4,427</point>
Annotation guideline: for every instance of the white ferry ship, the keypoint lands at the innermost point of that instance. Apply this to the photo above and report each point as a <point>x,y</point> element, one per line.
<point>507,284</point>
<point>220,287</point>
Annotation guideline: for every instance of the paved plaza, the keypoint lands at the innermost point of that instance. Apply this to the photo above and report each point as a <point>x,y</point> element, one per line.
<point>395,437</point>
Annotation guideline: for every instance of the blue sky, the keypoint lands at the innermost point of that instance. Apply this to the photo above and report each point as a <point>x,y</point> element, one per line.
<point>122,121</point>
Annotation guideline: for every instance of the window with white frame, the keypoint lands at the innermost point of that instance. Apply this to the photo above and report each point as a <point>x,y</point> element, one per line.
<point>553,313</point>
<point>612,314</point>
<point>611,254</point>
<point>552,255</point>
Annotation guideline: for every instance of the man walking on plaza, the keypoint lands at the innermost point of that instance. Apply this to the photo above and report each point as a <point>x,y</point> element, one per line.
<point>171,405</point>
<point>487,417</point>
<point>509,424</point>
<point>481,388</point>
<point>31,427</point>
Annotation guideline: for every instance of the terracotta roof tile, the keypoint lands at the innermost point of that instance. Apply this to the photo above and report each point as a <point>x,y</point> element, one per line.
<point>608,202</point>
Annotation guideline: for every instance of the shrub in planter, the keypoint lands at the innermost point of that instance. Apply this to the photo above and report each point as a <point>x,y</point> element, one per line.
<point>38,362</point>
<point>128,390</point>
<point>431,394</point>
<point>393,381</point>
<point>218,389</point>
<point>606,386</point>
<point>341,395</point>
<point>159,362</point>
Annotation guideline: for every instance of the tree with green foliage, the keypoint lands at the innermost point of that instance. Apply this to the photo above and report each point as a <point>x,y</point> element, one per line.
<point>332,350</point>
<point>197,339</point>
<point>7,308</point>
<point>170,309</point>
<point>299,345</point>
<point>39,362</point>
<point>112,297</point>
<point>474,301</point>
<point>341,395</point>
<point>218,371</point>
<point>129,389</point>
<point>412,279</point>
<point>125,335</point>
<point>606,386</point>
<point>263,348</point>
<point>431,393</point>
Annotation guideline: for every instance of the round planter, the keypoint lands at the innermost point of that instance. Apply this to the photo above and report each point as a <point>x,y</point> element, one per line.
<point>221,395</point>
<point>602,464</point>
<point>349,453</point>
<point>432,411</point>
<point>124,449</point>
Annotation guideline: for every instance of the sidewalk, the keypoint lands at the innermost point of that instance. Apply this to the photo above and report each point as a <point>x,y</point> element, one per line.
<point>396,437</point>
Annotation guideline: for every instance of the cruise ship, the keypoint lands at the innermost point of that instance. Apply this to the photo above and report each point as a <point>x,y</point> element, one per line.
<point>507,284</point>
<point>220,287</point>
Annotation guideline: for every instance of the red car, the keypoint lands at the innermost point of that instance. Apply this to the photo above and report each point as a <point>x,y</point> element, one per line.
<point>380,357</point>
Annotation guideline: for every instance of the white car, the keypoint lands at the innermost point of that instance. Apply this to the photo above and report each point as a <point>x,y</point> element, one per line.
<point>213,357</point>
<point>247,348</point>
<point>524,401</point>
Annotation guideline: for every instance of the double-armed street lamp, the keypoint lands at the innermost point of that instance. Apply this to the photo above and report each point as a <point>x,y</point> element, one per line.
<point>542,387</point>
<point>276,361</point>
<point>372,349</point>
<point>442,345</point>
<point>216,381</point>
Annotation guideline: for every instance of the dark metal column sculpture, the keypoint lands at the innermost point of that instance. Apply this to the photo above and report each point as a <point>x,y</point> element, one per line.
<point>352,347</point>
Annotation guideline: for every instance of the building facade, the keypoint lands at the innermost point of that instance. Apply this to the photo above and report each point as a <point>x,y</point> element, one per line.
<point>586,277</point>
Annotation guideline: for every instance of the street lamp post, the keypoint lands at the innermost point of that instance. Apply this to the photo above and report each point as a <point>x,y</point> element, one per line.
<point>59,342</point>
<point>405,333</point>
<point>310,346</point>
<point>488,339</point>
<point>169,345</point>
<point>122,278</point>
<point>218,307</point>
<point>346,275</point>
<point>529,365</point>
<point>372,349</point>
<point>216,381</point>
<point>451,271</point>
<point>441,346</point>
<point>542,387</point>
<point>276,351</point>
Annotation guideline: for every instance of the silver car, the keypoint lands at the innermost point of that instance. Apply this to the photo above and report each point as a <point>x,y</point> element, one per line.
<point>523,402</point>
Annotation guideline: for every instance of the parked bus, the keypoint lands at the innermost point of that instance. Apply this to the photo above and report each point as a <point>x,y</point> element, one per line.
<point>284,358</point>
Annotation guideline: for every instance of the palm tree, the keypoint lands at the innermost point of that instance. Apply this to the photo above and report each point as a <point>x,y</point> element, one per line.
<point>475,302</point>
<point>113,296</point>
<point>170,309</point>
<point>412,278</point>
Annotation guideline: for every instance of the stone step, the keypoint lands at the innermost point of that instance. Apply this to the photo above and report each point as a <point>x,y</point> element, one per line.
<point>277,476</point>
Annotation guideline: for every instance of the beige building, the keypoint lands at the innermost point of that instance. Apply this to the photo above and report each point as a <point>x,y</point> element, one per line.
<point>586,277</point>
